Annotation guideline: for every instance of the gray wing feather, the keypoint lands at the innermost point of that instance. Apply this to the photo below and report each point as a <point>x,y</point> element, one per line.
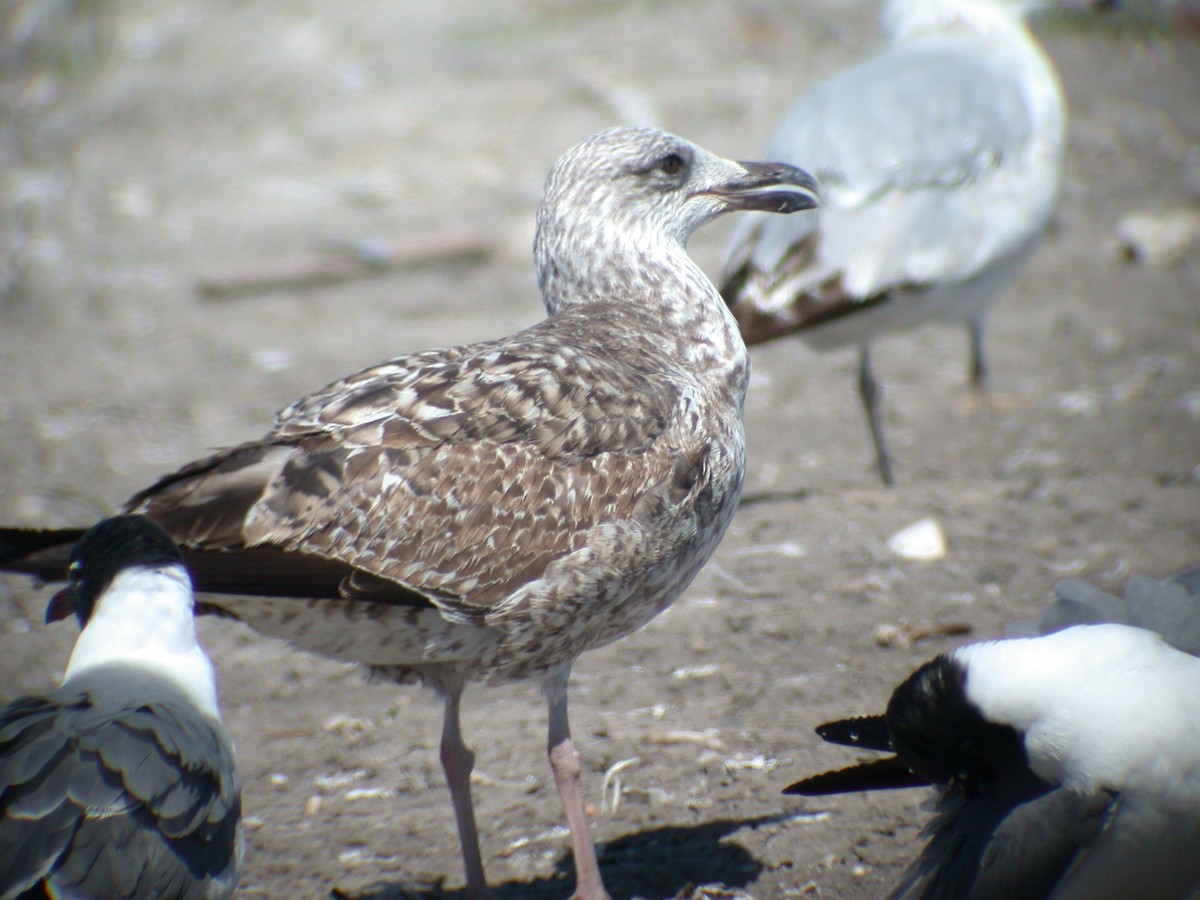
<point>912,124</point>
<point>26,855</point>
<point>1170,607</point>
<point>1015,838</point>
<point>114,797</point>
<point>30,719</point>
<point>912,117</point>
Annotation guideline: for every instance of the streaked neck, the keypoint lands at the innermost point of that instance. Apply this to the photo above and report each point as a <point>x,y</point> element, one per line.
<point>634,264</point>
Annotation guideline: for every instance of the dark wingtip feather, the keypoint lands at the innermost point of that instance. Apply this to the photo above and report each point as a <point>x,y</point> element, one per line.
<point>41,552</point>
<point>18,543</point>
<point>864,732</point>
<point>889,773</point>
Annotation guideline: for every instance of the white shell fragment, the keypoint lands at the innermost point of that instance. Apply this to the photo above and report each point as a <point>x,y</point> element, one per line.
<point>922,541</point>
<point>1159,239</point>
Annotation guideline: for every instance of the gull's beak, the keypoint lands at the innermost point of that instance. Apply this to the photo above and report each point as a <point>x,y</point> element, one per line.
<point>770,187</point>
<point>61,605</point>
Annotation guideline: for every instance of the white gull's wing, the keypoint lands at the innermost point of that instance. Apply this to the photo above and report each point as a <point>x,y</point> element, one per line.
<point>916,151</point>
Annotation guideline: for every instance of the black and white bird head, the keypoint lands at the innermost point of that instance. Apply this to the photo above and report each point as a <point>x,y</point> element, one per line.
<point>636,193</point>
<point>122,782</point>
<point>1068,762</point>
<point>113,548</point>
<point>940,734</point>
<point>133,598</point>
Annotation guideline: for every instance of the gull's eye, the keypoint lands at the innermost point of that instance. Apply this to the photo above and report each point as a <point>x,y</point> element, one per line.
<point>75,570</point>
<point>672,164</point>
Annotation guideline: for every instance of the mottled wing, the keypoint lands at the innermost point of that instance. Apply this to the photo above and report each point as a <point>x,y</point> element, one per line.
<point>104,797</point>
<point>571,387</point>
<point>456,475</point>
<point>904,146</point>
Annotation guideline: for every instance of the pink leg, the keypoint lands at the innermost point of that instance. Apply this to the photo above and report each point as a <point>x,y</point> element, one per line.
<point>564,761</point>
<point>457,762</point>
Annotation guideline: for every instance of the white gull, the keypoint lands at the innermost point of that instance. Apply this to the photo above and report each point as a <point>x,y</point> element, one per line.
<point>939,162</point>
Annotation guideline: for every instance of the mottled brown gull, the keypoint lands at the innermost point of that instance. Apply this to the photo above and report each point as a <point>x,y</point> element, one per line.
<point>940,161</point>
<point>491,511</point>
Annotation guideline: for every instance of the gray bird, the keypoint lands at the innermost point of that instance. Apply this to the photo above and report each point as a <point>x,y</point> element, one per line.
<point>1067,766</point>
<point>489,512</point>
<point>939,161</point>
<point>121,783</point>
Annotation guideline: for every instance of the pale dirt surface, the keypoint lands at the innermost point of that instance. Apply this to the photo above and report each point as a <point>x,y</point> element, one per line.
<point>216,133</point>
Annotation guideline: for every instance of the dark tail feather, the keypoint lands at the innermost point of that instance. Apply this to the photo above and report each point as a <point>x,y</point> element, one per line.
<point>889,773</point>
<point>41,552</point>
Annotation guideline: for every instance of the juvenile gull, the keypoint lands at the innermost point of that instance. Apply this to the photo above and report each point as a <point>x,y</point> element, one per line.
<point>939,161</point>
<point>489,512</point>
<point>1068,766</point>
<point>121,783</point>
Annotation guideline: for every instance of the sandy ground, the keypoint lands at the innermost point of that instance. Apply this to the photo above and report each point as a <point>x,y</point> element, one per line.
<point>157,142</point>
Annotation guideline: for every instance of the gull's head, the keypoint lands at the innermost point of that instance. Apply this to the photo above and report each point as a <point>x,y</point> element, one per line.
<point>107,549</point>
<point>632,190</point>
<point>645,178</point>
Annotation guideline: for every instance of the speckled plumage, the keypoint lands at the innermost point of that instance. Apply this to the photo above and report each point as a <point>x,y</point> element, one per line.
<point>492,511</point>
<point>567,481</point>
<point>573,480</point>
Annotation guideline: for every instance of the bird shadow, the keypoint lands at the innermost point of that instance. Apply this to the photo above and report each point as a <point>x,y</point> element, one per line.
<point>654,864</point>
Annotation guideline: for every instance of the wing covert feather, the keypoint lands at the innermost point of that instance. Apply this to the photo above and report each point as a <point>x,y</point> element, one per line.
<point>459,474</point>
